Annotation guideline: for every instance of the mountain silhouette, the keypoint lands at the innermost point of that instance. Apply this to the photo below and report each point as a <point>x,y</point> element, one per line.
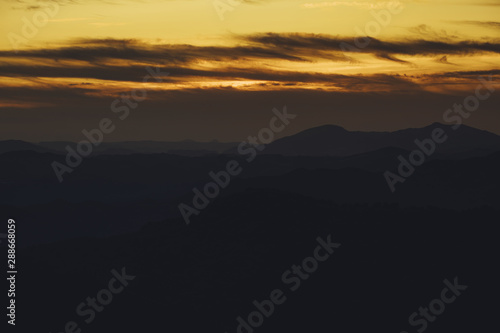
<point>327,140</point>
<point>333,140</point>
<point>187,147</point>
<point>18,145</point>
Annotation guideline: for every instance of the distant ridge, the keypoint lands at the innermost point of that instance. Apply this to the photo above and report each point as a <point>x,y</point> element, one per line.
<point>186,147</point>
<point>332,140</point>
<point>18,145</point>
<point>326,140</point>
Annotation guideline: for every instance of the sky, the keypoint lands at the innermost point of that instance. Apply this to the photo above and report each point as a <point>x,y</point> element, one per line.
<point>362,65</point>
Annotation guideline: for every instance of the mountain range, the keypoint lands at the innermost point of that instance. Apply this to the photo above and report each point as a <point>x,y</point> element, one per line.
<point>327,140</point>
<point>326,163</point>
<point>331,140</point>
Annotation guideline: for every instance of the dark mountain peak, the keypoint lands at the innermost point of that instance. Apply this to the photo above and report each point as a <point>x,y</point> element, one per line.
<point>330,128</point>
<point>312,141</point>
<point>437,124</point>
<point>462,128</point>
<point>320,132</point>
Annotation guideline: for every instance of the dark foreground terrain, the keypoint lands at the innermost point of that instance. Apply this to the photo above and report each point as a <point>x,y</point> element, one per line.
<point>107,250</point>
<point>391,262</point>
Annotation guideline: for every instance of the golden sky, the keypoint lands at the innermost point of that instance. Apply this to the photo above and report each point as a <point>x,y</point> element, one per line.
<point>98,49</point>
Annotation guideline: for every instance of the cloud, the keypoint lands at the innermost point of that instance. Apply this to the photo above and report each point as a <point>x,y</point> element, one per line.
<point>71,19</point>
<point>426,31</point>
<point>94,50</point>
<point>104,24</point>
<point>357,4</point>
<point>40,4</point>
<point>307,48</point>
<point>108,67</point>
<point>415,47</point>
<point>443,60</point>
<point>268,46</point>
<point>185,75</point>
<point>485,24</point>
<point>492,3</point>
